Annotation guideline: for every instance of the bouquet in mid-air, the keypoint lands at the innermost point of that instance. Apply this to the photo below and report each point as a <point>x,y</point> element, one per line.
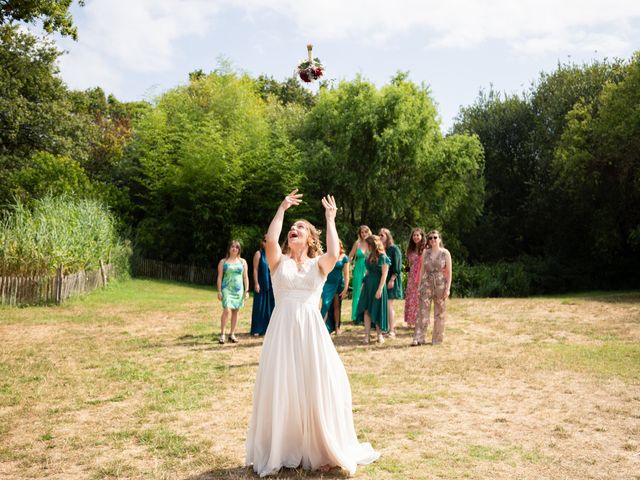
<point>310,69</point>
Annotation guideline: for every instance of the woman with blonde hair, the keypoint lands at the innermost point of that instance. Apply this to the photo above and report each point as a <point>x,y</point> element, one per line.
<point>372,308</point>
<point>435,287</point>
<point>394,280</point>
<point>302,409</point>
<point>233,288</point>
<point>357,257</point>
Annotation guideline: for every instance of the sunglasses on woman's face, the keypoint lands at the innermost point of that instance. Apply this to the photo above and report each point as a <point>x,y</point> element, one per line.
<point>433,237</point>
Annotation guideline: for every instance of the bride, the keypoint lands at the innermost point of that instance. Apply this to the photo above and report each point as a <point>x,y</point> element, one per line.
<point>302,397</point>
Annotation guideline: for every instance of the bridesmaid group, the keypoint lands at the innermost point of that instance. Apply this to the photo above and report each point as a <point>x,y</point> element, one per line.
<point>376,267</point>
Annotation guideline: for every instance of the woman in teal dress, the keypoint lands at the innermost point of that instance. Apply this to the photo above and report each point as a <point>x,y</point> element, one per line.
<point>334,291</point>
<point>357,257</point>
<point>372,307</point>
<point>233,288</point>
<point>394,281</point>
<point>263,301</point>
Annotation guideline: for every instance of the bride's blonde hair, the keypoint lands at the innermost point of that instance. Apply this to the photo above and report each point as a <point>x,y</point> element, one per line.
<point>314,245</point>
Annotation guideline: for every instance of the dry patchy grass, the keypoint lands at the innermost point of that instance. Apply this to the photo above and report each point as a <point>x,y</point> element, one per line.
<point>129,383</point>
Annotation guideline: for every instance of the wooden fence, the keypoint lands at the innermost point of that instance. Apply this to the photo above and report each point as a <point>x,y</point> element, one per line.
<point>35,290</point>
<point>172,271</point>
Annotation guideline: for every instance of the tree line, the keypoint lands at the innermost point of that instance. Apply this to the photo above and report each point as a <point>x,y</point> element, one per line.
<point>534,192</point>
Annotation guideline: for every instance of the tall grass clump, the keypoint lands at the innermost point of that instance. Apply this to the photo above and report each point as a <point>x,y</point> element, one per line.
<point>76,233</point>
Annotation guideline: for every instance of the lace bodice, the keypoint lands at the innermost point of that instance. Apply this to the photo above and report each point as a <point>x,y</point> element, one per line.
<point>302,285</point>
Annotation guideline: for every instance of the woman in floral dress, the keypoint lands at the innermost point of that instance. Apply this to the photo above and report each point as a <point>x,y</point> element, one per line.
<point>417,243</point>
<point>435,287</point>
<point>233,288</point>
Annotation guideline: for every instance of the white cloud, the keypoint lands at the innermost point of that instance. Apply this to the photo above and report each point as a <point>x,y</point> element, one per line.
<point>527,25</point>
<point>138,36</point>
<point>120,38</point>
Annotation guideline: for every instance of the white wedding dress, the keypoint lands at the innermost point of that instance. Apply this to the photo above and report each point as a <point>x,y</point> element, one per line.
<point>302,398</point>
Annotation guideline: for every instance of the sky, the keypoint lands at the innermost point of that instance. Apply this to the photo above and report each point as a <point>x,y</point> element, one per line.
<point>137,49</point>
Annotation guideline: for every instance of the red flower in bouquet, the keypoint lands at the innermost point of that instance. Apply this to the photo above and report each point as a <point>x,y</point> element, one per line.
<point>311,69</point>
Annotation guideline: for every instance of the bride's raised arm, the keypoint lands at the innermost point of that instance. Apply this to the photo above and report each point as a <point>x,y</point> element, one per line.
<point>329,259</point>
<point>272,247</point>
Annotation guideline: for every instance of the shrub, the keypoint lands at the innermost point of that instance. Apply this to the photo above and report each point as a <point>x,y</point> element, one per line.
<point>59,231</point>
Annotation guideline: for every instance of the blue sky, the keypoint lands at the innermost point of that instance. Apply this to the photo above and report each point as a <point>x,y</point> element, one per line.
<point>136,49</point>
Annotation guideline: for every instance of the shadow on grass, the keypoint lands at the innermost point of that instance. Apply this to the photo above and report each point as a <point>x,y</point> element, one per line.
<point>348,340</point>
<point>209,341</point>
<point>247,472</point>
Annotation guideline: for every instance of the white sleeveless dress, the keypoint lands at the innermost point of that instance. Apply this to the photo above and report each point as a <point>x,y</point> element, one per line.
<point>302,398</point>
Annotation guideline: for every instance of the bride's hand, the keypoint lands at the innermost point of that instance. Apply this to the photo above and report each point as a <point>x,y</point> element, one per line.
<point>294,198</point>
<point>330,208</point>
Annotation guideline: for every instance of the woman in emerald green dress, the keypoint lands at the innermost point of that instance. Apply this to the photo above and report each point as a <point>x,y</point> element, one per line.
<point>372,306</point>
<point>334,291</point>
<point>357,257</point>
<point>394,281</point>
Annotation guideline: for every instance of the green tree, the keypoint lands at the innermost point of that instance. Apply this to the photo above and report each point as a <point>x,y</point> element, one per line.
<point>597,172</point>
<point>287,92</point>
<point>381,153</point>
<point>207,159</point>
<point>552,98</point>
<point>504,125</point>
<point>46,174</point>
<point>54,14</point>
<point>36,114</point>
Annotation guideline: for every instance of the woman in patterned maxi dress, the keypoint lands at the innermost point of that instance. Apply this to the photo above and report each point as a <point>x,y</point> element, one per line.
<point>416,245</point>
<point>435,287</point>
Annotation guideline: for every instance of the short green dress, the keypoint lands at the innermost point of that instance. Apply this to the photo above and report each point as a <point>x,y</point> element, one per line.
<point>358,274</point>
<point>377,307</point>
<point>395,256</point>
<point>233,285</point>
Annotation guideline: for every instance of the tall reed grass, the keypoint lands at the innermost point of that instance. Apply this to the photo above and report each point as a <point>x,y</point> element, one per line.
<point>76,233</point>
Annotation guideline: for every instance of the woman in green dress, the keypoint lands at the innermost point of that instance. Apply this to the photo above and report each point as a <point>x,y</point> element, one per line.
<point>233,288</point>
<point>372,306</point>
<point>394,281</point>
<point>357,257</point>
<point>334,291</point>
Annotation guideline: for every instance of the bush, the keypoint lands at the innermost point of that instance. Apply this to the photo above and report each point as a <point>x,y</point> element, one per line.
<point>59,231</point>
<point>498,280</point>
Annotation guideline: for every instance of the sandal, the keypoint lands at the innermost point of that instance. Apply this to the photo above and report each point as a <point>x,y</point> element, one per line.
<point>221,340</point>
<point>415,343</point>
<point>366,340</point>
<point>380,339</point>
<point>233,338</point>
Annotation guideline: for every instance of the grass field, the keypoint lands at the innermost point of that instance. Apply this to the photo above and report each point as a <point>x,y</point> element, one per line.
<point>129,383</point>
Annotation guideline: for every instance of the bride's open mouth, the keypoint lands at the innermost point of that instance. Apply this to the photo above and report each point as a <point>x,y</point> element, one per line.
<point>293,235</point>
